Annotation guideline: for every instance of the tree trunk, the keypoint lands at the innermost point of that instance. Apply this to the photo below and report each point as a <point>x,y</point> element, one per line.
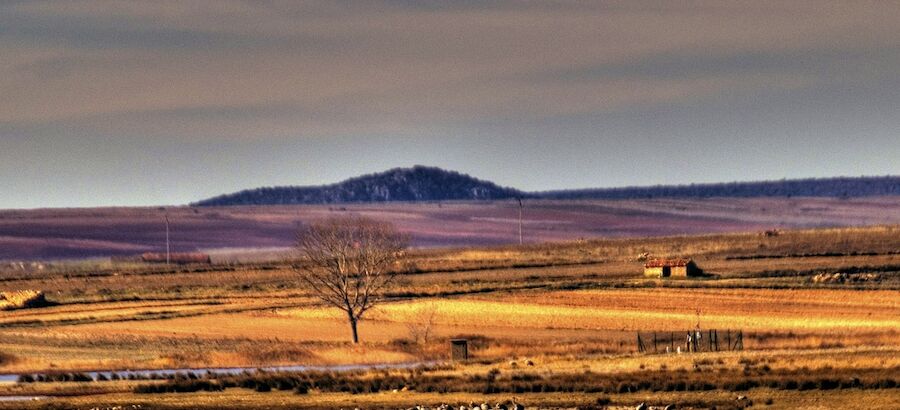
<point>353,321</point>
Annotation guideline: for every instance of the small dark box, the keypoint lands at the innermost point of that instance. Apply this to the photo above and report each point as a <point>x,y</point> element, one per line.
<point>459,349</point>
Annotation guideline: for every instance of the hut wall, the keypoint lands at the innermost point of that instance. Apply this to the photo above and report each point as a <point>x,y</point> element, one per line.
<point>655,272</point>
<point>693,269</point>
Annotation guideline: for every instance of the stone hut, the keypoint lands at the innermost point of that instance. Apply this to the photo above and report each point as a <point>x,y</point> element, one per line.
<point>664,268</point>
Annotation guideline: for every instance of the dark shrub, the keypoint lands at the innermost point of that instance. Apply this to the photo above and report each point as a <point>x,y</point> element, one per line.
<point>25,378</point>
<point>828,384</point>
<point>626,388</point>
<point>147,389</point>
<point>886,384</point>
<point>742,385</point>
<point>183,386</point>
<point>285,384</point>
<point>850,383</point>
<point>492,374</point>
<point>248,383</point>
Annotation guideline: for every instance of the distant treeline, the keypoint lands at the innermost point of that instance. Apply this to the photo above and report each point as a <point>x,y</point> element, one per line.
<point>842,187</point>
<point>434,184</point>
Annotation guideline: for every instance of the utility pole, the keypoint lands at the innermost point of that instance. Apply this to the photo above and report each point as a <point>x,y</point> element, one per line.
<point>168,249</point>
<point>520,219</point>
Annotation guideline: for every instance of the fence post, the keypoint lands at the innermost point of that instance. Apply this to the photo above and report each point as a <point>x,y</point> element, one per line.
<point>672,341</point>
<point>655,350</point>
<point>640,343</point>
<point>728,338</point>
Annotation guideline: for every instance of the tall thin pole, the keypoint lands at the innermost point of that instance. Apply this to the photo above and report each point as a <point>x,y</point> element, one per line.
<point>168,249</point>
<point>520,220</point>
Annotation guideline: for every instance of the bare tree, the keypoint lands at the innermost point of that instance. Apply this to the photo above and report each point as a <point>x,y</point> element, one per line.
<point>422,323</point>
<point>348,262</point>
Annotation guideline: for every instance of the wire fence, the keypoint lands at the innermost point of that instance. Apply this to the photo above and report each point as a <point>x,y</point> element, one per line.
<point>690,341</point>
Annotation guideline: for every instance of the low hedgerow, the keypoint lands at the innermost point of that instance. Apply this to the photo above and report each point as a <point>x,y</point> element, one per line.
<point>494,382</point>
<point>180,386</point>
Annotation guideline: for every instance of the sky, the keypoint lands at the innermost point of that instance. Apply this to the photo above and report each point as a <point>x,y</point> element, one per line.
<point>129,103</point>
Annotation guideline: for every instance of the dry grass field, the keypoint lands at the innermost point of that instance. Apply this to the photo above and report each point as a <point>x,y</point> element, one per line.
<point>551,324</point>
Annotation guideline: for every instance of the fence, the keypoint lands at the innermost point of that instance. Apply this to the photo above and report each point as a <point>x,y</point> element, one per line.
<point>690,341</point>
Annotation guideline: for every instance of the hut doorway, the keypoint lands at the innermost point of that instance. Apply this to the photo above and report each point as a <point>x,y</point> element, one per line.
<point>666,271</point>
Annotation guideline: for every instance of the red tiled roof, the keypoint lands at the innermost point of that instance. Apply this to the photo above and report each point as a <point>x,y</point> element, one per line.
<point>658,263</point>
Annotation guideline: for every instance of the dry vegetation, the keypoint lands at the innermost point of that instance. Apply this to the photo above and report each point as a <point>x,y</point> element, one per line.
<point>22,299</point>
<point>570,309</point>
<point>79,233</point>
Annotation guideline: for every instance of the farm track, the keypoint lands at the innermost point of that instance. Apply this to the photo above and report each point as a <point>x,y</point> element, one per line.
<point>80,307</point>
<point>142,316</point>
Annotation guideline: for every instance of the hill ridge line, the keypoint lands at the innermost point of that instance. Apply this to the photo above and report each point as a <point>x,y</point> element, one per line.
<point>424,183</point>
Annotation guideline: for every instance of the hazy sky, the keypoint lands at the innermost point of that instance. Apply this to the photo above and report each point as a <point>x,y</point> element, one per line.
<point>167,102</point>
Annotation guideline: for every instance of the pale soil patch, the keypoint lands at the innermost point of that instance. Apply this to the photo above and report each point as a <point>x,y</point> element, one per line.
<point>652,309</point>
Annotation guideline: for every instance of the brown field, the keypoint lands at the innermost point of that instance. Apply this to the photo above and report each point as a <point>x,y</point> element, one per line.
<point>240,232</point>
<point>572,308</point>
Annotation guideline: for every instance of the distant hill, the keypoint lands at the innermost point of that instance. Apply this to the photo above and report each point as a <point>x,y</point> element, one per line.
<point>422,183</point>
<point>418,183</point>
<point>840,187</point>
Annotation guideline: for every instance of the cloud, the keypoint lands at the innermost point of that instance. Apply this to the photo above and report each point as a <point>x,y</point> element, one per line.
<point>274,69</point>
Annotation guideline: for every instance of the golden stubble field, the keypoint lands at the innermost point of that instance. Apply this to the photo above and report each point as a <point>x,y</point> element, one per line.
<point>571,308</point>
<point>579,319</point>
